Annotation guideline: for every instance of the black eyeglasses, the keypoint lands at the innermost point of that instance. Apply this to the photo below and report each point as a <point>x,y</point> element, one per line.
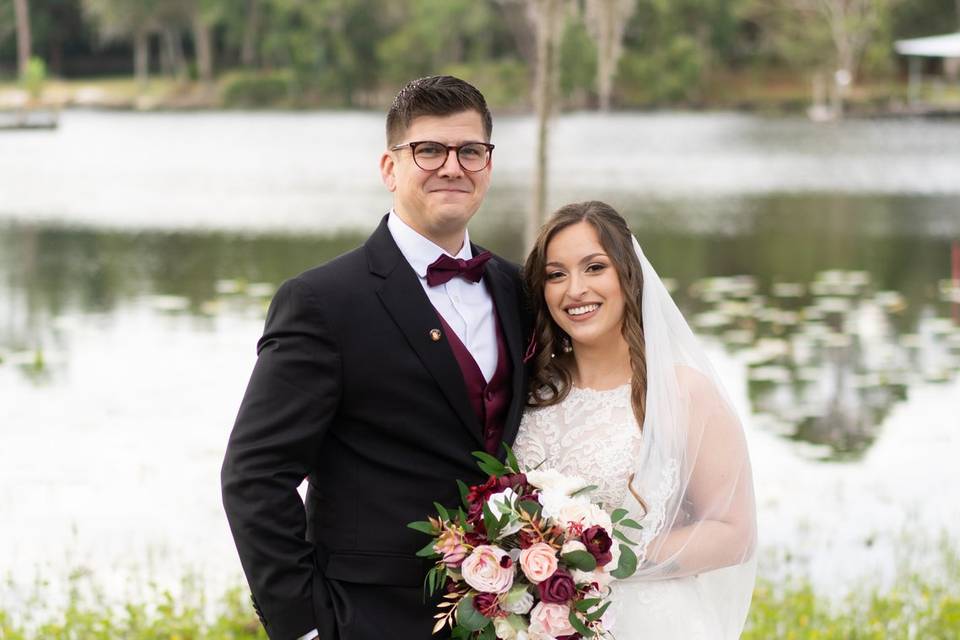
<point>430,156</point>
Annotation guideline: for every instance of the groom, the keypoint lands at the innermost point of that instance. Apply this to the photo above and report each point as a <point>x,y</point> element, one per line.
<point>378,374</point>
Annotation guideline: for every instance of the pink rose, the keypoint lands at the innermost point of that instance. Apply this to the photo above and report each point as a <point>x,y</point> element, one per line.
<point>551,619</point>
<point>538,562</point>
<point>483,570</point>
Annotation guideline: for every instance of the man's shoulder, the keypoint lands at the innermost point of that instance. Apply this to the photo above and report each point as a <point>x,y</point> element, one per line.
<point>344,272</point>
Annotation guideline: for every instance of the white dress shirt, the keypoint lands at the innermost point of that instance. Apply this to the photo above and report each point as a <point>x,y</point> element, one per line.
<point>466,306</point>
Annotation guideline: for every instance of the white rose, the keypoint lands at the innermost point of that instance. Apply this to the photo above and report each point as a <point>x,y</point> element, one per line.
<point>504,629</point>
<point>553,480</point>
<point>572,545</point>
<point>518,601</point>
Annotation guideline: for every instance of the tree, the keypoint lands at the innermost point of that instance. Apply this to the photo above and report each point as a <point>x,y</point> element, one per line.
<point>851,25</point>
<point>548,17</point>
<point>24,46</point>
<point>607,21</point>
<point>127,20</point>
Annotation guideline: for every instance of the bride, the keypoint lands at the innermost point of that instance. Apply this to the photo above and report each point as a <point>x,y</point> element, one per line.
<point>623,396</point>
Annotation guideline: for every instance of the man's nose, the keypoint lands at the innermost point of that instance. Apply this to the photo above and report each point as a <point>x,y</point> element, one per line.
<point>451,166</point>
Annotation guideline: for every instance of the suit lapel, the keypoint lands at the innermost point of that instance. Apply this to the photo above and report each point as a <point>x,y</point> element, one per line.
<point>408,306</point>
<point>503,291</point>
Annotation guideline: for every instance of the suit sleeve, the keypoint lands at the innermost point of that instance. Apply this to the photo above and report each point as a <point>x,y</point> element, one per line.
<point>288,406</point>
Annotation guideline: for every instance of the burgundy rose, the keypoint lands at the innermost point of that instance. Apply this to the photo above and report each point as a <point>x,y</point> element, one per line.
<point>558,588</point>
<point>572,636</point>
<point>480,492</point>
<point>486,604</point>
<point>598,543</point>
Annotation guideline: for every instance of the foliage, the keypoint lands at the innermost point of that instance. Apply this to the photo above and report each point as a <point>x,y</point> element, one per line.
<point>257,89</point>
<point>35,77</point>
<point>669,75</point>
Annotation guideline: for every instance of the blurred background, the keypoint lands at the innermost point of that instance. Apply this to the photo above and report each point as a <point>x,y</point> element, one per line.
<point>791,167</point>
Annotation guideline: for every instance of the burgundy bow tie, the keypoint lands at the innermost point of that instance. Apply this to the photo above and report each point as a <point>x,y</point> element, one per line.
<point>446,268</point>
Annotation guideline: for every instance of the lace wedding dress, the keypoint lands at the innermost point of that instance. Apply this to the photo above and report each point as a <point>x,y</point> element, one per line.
<point>594,435</point>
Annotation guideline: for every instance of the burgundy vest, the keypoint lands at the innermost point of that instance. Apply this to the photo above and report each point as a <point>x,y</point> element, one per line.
<point>490,400</point>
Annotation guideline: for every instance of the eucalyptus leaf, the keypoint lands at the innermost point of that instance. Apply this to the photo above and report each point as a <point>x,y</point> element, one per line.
<point>580,559</point>
<point>633,524</point>
<point>468,616</point>
<point>618,514</point>
<point>619,536</point>
<point>627,565</point>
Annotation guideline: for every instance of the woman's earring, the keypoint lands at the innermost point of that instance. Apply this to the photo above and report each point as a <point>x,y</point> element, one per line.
<point>565,345</point>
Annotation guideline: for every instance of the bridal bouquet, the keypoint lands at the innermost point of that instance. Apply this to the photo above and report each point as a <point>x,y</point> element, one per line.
<point>526,557</point>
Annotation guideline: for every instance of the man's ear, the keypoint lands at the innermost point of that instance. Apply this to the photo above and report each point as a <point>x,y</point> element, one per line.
<point>387,167</point>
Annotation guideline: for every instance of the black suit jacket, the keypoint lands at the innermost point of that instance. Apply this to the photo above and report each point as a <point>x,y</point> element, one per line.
<point>350,391</point>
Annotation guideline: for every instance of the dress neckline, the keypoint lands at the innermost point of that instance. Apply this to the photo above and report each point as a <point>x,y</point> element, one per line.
<point>625,385</point>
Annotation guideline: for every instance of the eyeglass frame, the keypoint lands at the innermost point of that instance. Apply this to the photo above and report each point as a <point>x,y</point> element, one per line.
<point>449,147</point>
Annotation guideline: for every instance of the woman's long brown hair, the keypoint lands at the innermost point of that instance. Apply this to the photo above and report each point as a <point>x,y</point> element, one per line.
<point>550,381</point>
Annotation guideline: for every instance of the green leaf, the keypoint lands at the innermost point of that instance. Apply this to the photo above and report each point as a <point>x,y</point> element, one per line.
<point>627,564</point>
<point>489,464</point>
<point>512,463</point>
<point>619,536</point>
<point>444,514</point>
<point>633,524</point>
<point>618,515</point>
<point>428,551</point>
<point>582,490</point>
<point>469,617</point>
<point>579,626</point>
<point>423,527</point>
<point>581,560</point>
<point>531,507</point>
<point>596,615</point>
<point>585,605</point>
<point>490,522</point>
<point>460,633</point>
<point>488,633</point>
<point>464,492</point>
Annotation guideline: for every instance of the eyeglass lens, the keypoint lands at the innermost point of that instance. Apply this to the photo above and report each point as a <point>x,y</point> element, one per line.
<point>430,156</point>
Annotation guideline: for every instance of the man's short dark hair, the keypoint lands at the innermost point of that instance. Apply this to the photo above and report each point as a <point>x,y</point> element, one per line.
<point>435,96</point>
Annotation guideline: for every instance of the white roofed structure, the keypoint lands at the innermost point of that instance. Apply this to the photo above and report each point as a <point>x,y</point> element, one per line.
<point>945,46</point>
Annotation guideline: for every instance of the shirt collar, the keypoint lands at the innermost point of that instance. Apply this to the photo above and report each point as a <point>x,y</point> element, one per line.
<point>419,251</point>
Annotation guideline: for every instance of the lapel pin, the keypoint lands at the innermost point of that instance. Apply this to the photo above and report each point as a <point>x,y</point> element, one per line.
<point>435,335</point>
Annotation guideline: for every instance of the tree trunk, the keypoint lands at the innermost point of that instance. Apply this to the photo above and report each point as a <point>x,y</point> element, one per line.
<point>606,53</point>
<point>173,53</point>
<point>204,49</point>
<point>141,58</point>
<point>251,29</point>
<point>24,44</point>
<point>548,19</point>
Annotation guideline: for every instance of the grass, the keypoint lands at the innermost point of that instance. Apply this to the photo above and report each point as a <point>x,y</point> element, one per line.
<point>914,608</point>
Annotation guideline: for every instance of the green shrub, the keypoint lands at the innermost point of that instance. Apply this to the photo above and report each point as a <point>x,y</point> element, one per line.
<point>667,75</point>
<point>504,82</point>
<point>258,89</point>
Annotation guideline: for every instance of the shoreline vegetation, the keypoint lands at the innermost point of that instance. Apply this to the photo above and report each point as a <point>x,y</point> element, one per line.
<point>277,91</point>
<point>915,605</point>
<point>829,58</point>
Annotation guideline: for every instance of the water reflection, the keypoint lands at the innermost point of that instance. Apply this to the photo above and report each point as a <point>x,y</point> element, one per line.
<point>829,352</point>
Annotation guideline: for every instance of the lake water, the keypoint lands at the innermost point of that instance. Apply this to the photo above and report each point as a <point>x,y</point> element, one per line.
<point>138,253</point>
